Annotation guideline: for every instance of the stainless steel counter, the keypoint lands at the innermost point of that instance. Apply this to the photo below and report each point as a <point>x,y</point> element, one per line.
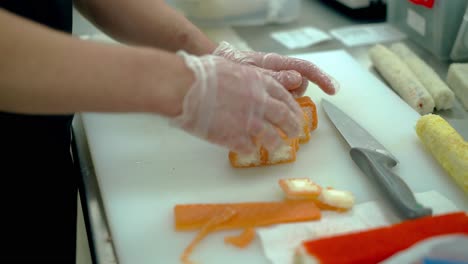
<point>313,13</point>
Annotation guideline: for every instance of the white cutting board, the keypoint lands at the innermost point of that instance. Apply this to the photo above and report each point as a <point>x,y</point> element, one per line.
<point>144,167</point>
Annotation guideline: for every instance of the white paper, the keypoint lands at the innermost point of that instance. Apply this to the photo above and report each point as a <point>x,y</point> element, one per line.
<point>367,34</point>
<point>300,38</point>
<point>279,242</point>
<point>416,22</point>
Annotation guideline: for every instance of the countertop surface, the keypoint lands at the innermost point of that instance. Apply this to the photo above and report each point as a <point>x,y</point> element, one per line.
<point>313,13</point>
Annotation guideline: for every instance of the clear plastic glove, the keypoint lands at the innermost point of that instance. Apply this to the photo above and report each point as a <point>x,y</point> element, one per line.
<point>232,105</point>
<point>292,73</point>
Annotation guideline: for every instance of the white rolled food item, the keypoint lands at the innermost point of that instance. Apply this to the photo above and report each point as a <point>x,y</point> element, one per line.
<point>401,79</point>
<point>441,94</point>
<point>457,79</point>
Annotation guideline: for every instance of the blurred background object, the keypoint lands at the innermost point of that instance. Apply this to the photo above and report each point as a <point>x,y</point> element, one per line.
<point>369,10</point>
<point>432,24</point>
<point>460,48</point>
<point>216,13</point>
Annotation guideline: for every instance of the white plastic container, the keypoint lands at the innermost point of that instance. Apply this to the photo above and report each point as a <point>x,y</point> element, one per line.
<point>432,26</point>
<point>213,13</point>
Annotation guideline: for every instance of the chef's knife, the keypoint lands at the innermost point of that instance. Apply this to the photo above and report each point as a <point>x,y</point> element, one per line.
<point>376,162</point>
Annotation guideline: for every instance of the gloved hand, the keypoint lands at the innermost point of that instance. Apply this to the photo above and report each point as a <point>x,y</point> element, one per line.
<point>230,104</point>
<point>292,73</point>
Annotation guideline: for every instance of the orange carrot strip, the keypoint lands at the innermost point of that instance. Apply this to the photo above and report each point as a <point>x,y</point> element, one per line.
<point>305,135</point>
<point>252,214</point>
<point>209,227</point>
<point>311,110</point>
<point>375,245</point>
<point>326,207</point>
<point>275,158</point>
<point>259,158</point>
<point>242,240</point>
<point>263,158</point>
<point>300,188</point>
<point>324,198</point>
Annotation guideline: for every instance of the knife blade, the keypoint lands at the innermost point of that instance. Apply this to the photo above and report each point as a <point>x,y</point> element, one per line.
<point>376,162</point>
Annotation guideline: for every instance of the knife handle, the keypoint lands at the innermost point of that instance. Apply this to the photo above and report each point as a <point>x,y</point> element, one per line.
<point>378,167</point>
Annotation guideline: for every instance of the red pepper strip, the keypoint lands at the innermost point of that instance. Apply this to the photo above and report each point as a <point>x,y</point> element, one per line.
<point>375,245</point>
<point>426,3</point>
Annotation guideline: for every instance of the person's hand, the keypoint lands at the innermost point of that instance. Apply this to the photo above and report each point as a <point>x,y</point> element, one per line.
<point>236,106</point>
<point>292,73</point>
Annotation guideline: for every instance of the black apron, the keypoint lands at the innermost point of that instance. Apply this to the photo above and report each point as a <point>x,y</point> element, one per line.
<point>39,194</point>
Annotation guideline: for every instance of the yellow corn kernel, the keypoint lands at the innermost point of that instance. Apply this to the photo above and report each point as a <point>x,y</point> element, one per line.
<point>446,145</point>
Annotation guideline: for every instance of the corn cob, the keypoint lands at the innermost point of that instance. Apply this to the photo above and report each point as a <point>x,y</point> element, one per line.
<point>446,145</point>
